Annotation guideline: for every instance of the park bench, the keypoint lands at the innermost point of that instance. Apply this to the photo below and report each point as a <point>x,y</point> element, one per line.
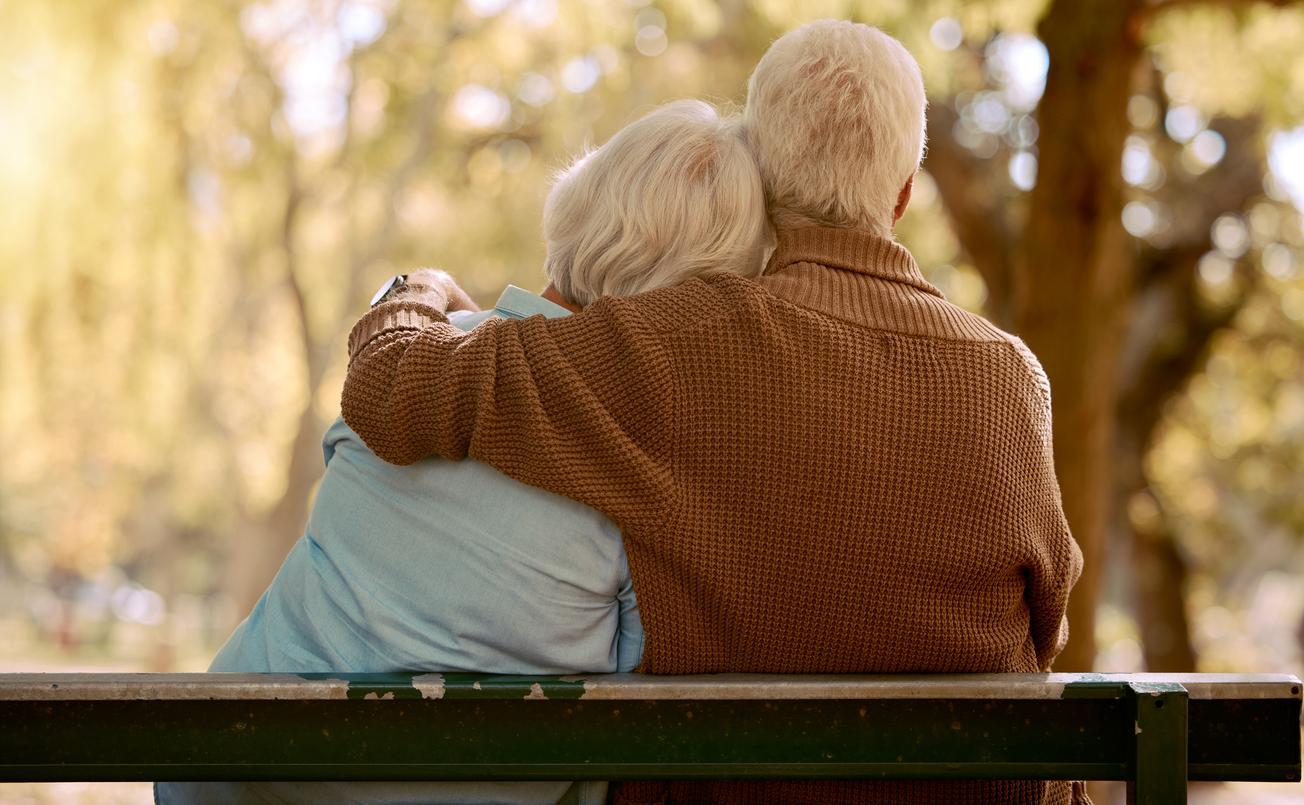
<point>1155,731</point>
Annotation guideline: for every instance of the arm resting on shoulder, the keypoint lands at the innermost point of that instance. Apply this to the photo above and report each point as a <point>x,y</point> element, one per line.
<point>581,406</point>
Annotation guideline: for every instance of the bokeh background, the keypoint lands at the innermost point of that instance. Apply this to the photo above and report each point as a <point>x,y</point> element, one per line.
<point>197,198</point>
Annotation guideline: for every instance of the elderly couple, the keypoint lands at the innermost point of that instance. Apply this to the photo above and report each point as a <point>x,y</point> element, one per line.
<point>806,463</point>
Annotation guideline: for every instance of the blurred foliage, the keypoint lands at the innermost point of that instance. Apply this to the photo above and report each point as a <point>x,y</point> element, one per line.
<point>199,197</point>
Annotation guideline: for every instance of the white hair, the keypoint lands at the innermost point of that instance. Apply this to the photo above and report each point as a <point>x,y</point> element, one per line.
<point>672,196</point>
<point>835,116</point>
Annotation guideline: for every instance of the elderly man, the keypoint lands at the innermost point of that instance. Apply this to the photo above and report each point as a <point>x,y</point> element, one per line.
<point>829,469</point>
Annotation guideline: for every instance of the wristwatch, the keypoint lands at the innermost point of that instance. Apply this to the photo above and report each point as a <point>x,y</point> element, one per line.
<point>388,289</point>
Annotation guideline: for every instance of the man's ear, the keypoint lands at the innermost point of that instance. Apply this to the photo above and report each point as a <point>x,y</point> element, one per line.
<point>903,200</point>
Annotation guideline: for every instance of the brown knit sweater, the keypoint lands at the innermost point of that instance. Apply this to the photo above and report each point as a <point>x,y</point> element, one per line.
<point>829,470</point>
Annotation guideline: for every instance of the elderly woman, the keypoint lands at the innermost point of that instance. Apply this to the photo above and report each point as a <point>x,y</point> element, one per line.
<point>453,566</point>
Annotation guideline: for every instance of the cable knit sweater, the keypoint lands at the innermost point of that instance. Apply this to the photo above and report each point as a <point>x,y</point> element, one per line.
<point>831,469</point>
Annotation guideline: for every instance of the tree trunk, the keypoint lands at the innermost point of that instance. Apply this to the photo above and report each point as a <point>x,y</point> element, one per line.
<point>274,535</point>
<point>1160,573</point>
<point>1074,270</point>
<point>1157,572</point>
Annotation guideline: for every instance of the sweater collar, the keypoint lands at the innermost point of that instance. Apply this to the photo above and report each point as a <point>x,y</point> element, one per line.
<point>848,250</point>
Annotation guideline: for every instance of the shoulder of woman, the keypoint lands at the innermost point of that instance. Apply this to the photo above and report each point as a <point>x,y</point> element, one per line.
<point>692,303</point>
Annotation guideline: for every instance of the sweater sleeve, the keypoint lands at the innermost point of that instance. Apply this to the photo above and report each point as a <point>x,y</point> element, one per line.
<point>1056,560</point>
<point>1056,568</point>
<point>580,406</point>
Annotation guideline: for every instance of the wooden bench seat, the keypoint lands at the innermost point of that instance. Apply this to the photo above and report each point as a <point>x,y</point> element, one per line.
<point>1156,731</point>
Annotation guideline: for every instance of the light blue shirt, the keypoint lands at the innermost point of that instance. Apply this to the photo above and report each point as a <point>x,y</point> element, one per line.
<point>438,566</point>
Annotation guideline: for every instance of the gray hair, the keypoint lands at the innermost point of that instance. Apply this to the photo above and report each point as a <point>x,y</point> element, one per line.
<point>835,116</point>
<point>672,196</point>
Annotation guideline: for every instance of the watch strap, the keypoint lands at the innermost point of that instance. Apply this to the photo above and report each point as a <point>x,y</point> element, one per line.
<point>396,281</point>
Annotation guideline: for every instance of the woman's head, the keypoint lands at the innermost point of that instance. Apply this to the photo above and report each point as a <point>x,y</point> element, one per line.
<point>672,196</point>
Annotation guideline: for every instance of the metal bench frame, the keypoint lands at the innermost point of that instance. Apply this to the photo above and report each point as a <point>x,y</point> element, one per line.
<point>1155,731</point>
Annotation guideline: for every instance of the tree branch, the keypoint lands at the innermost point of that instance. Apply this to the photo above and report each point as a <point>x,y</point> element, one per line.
<point>424,118</point>
<point>1178,350</point>
<point>965,184</point>
<point>1171,326</point>
<point>1149,12</point>
<point>294,196</point>
<point>363,258</point>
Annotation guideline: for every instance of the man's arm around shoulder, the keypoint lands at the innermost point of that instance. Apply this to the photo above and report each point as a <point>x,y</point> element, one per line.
<point>582,406</point>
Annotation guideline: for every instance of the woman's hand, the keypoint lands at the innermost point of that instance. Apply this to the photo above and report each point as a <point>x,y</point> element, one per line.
<point>438,289</point>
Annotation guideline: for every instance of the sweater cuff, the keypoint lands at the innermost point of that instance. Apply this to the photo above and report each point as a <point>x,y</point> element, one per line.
<point>390,316</point>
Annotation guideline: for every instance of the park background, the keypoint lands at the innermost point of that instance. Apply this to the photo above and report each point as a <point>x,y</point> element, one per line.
<point>197,198</point>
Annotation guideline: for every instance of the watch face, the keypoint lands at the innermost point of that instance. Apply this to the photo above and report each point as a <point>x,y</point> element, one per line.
<point>390,284</point>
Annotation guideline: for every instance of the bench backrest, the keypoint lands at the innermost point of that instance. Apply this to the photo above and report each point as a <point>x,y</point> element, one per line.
<point>1155,730</point>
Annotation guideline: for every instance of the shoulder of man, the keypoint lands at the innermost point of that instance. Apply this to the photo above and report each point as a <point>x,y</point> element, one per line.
<point>1023,361</point>
<point>982,329</point>
<point>1036,374</point>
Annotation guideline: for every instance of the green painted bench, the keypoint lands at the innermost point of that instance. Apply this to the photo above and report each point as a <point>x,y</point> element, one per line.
<point>1155,731</point>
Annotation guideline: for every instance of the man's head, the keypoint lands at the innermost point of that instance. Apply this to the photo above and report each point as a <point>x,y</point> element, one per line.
<point>672,196</point>
<point>835,116</point>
